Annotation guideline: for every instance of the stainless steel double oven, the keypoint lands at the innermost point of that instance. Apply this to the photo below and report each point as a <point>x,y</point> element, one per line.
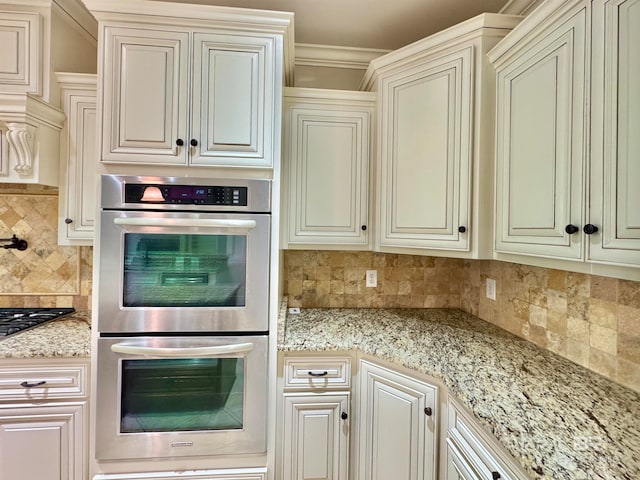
<point>182,317</point>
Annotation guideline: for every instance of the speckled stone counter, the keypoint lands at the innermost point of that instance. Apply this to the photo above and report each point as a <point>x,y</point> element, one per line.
<point>559,420</point>
<point>68,336</point>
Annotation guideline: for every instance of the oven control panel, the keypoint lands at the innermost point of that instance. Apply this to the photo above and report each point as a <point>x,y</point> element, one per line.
<point>185,194</point>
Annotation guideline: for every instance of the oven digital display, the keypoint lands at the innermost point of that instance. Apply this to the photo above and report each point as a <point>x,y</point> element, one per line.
<point>186,194</point>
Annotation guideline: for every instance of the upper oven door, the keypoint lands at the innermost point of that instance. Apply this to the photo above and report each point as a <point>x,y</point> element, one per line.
<point>183,272</point>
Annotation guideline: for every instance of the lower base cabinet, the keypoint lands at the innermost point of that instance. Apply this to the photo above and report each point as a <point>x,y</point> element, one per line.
<point>43,442</point>
<point>316,439</point>
<point>471,454</point>
<point>397,425</point>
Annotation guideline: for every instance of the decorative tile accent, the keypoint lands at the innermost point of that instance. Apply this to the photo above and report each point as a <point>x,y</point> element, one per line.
<point>45,274</point>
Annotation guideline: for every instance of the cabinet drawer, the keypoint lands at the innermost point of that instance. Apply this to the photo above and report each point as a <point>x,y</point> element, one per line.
<point>317,372</point>
<point>39,383</point>
<point>479,450</point>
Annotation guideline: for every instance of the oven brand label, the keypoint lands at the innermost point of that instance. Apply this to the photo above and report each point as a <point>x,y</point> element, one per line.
<point>182,444</point>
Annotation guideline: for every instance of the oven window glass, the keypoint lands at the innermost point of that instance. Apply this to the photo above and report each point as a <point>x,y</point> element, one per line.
<point>182,394</point>
<point>169,270</point>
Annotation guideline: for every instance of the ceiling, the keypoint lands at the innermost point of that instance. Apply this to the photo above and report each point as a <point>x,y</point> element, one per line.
<point>380,24</point>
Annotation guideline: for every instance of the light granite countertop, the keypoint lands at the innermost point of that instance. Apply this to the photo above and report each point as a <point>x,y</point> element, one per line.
<point>67,336</point>
<point>559,420</point>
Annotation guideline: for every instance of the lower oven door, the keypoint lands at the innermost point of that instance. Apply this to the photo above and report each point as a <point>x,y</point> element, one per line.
<point>160,397</point>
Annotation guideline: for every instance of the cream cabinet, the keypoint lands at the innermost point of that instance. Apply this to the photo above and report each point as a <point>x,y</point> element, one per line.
<point>615,144</point>
<point>200,87</point>
<point>78,160</point>
<point>44,411</point>
<point>224,474</point>
<point>541,137</point>
<point>435,136</point>
<point>315,418</point>
<point>472,454</point>
<point>326,149</point>
<point>397,425</point>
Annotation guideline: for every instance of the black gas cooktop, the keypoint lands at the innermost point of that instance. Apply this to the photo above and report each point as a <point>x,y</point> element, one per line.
<point>14,320</point>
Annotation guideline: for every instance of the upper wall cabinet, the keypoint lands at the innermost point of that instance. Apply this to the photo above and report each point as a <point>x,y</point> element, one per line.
<point>78,152</point>
<point>197,86</point>
<point>435,141</point>
<point>615,139</point>
<point>541,131</point>
<point>326,168</point>
<point>37,38</point>
<point>567,187</point>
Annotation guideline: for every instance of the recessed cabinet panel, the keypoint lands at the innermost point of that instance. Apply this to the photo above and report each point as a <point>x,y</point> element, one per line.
<point>233,88</point>
<point>19,40</point>
<point>53,432</point>
<point>316,436</point>
<point>327,169</point>
<point>396,434</point>
<point>615,196</point>
<point>540,144</point>
<point>146,117</point>
<point>425,161</point>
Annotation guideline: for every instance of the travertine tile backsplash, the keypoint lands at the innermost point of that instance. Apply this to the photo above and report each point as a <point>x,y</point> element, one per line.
<point>45,274</point>
<point>591,320</point>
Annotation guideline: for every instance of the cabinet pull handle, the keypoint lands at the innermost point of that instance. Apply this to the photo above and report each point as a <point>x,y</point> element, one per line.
<point>363,228</point>
<point>495,475</point>
<point>179,142</point>
<point>427,411</point>
<point>318,374</point>
<point>590,229</point>
<point>68,221</point>
<point>194,142</point>
<point>462,229</point>
<point>571,229</point>
<point>31,385</point>
<point>344,415</point>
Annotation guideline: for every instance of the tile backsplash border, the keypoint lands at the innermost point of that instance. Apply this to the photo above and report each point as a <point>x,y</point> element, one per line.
<point>591,320</point>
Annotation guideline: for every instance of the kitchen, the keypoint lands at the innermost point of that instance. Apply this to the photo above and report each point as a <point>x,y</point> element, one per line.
<point>532,301</point>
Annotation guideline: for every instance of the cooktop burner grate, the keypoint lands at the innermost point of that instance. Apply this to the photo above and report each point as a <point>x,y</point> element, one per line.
<point>14,320</point>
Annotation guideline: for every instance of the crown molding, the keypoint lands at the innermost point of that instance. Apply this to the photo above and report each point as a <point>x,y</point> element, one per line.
<point>520,7</point>
<point>330,56</point>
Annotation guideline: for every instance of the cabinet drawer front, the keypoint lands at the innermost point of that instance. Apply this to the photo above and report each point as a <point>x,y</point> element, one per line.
<point>474,446</point>
<point>43,383</point>
<point>312,372</point>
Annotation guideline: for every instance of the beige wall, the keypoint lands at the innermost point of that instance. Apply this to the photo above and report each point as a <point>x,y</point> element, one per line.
<point>45,274</point>
<point>591,320</point>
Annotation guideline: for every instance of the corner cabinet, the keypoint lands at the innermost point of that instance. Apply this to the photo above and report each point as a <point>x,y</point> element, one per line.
<point>615,123</point>
<point>397,425</point>
<point>435,137</point>
<point>78,160</point>
<point>200,87</point>
<point>568,105</point>
<point>541,132</point>
<point>326,168</point>
<point>44,411</point>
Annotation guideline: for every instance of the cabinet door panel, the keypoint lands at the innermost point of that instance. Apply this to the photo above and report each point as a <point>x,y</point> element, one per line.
<point>425,154</point>
<point>145,96</point>
<point>20,62</point>
<point>327,166</point>
<point>316,437</point>
<point>615,195</point>
<point>540,146</point>
<point>233,90</point>
<point>53,433</point>
<point>396,437</point>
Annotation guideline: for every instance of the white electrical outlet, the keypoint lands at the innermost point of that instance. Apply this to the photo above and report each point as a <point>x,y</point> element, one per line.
<point>491,288</point>
<point>294,310</point>
<point>371,279</point>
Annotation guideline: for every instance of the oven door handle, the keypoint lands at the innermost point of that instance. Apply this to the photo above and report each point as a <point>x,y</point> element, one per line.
<point>209,351</point>
<point>185,222</point>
